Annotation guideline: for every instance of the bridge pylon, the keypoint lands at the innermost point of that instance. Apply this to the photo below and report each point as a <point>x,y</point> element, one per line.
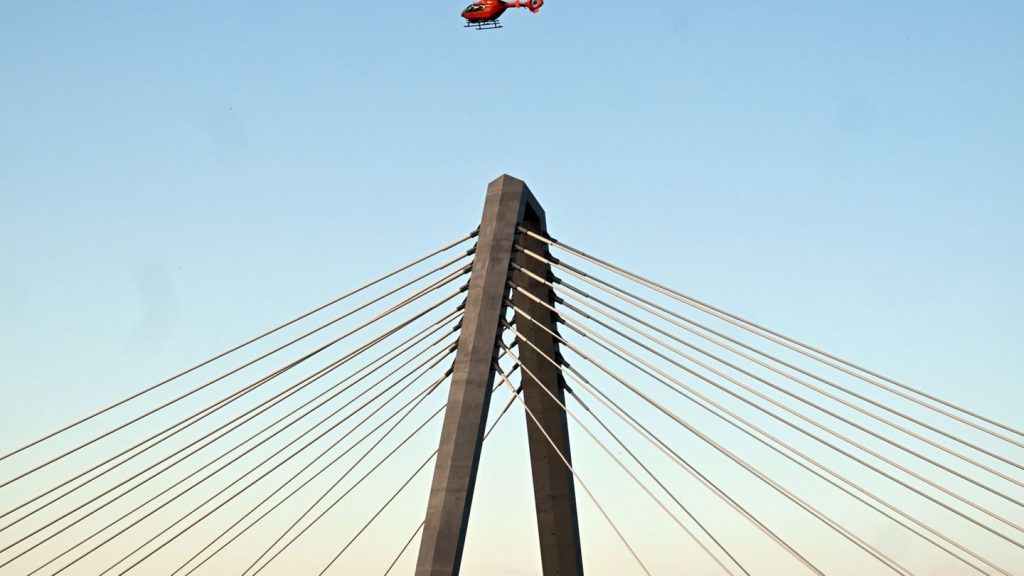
<point>509,206</point>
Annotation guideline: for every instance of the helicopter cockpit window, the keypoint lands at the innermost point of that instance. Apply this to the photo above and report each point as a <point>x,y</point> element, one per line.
<point>473,8</point>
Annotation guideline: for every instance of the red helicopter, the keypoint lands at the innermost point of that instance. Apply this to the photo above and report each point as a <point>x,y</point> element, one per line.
<point>484,14</point>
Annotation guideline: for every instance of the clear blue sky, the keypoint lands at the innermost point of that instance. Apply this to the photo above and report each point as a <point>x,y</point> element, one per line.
<point>176,176</point>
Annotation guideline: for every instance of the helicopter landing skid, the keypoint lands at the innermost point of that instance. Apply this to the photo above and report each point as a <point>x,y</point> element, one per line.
<point>484,25</point>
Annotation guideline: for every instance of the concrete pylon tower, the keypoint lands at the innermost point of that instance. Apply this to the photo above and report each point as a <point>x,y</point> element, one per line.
<point>508,206</point>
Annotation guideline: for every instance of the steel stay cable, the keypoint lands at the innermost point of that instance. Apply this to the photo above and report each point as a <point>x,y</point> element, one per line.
<point>728,412</point>
<point>883,458</point>
<point>576,475</point>
<point>672,454</point>
<point>316,375</point>
<point>793,378</point>
<point>586,334</point>
<point>928,528</point>
<point>337,482</point>
<point>249,450</point>
<point>275,399</point>
<point>379,512</point>
<point>349,432</point>
<point>81,505</point>
<point>406,483</point>
<point>809,508</point>
<point>365,454</point>
<point>586,430</point>
<point>486,434</point>
<point>651,437</point>
<point>404,548</point>
<point>812,404</point>
<point>660,312</point>
<point>774,386</point>
<point>281,487</point>
<point>435,285</point>
<point>798,346</point>
<point>823,467</point>
<point>654,477</point>
<point>421,395</point>
<point>801,430</point>
<point>418,398</point>
<point>629,473</point>
<point>231,450</point>
<point>393,353</point>
<point>611,405</point>
<point>240,346</point>
<point>152,441</point>
<point>437,359</point>
<point>189,476</point>
<point>414,402</point>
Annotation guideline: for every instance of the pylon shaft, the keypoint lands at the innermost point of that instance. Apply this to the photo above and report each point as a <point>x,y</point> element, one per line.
<point>553,488</point>
<point>509,204</point>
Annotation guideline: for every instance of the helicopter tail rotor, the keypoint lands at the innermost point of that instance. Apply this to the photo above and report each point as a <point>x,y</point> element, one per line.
<point>533,5</point>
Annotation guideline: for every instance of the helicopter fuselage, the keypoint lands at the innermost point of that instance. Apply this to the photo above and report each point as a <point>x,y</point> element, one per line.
<point>485,10</point>
<point>481,13</point>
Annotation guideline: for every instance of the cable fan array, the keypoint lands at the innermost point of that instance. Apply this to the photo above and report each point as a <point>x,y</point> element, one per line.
<point>722,446</point>
<point>823,454</point>
<point>266,440</point>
